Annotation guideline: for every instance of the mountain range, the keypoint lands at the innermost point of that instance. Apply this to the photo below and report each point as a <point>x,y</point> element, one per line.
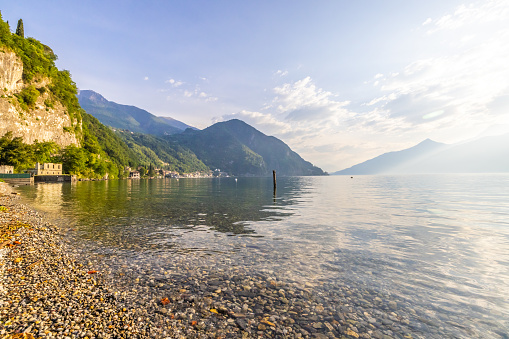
<point>127,117</point>
<point>232,146</point>
<point>482,155</point>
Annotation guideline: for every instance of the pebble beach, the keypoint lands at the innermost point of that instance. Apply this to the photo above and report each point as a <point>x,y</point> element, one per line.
<point>49,290</point>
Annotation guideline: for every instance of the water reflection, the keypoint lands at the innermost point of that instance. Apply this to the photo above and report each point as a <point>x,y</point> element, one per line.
<point>149,213</point>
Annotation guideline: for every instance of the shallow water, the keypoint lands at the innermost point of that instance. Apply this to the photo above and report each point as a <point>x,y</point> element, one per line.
<point>437,243</point>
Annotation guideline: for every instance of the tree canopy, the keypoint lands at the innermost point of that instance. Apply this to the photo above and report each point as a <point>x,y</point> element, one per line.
<point>20,31</point>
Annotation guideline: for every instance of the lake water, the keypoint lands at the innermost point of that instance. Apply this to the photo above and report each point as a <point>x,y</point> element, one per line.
<point>437,244</point>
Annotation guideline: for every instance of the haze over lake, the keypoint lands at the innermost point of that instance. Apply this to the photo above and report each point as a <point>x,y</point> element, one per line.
<point>436,245</point>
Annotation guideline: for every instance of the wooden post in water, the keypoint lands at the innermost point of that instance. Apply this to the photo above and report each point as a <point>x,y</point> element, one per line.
<point>274,180</point>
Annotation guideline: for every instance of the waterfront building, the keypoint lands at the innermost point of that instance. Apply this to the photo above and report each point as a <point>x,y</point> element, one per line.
<point>6,169</point>
<point>46,168</point>
<point>134,175</point>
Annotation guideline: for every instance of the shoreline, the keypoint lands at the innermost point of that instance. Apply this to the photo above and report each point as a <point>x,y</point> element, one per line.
<point>46,291</point>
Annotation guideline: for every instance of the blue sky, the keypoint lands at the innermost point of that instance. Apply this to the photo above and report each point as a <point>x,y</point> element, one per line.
<point>339,81</point>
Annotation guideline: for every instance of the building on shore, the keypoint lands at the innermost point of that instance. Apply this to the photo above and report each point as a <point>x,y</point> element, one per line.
<point>134,175</point>
<point>46,168</point>
<point>6,169</point>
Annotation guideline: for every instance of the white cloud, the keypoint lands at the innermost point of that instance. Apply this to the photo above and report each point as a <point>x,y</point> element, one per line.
<point>174,83</point>
<point>303,101</point>
<point>466,15</point>
<point>145,78</point>
<point>281,73</point>
<point>266,122</point>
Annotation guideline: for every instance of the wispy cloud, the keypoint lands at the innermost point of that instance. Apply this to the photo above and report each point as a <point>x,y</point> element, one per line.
<point>174,83</point>
<point>465,15</point>
<point>281,73</point>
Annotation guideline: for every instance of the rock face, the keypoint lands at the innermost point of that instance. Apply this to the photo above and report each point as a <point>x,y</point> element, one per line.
<point>41,123</point>
<point>11,71</point>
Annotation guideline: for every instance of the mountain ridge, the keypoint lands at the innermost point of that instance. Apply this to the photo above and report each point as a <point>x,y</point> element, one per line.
<point>254,153</point>
<point>485,155</point>
<point>127,117</point>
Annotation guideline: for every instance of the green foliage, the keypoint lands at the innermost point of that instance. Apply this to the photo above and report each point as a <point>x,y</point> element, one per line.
<point>14,152</point>
<point>74,160</point>
<point>143,171</point>
<point>5,33</point>
<point>65,90</point>
<point>97,137</point>
<point>20,31</point>
<point>153,150</point>
<point>28,97</point>
<point>151,171</point>
<point>48,103</point>
<point>39,61</point>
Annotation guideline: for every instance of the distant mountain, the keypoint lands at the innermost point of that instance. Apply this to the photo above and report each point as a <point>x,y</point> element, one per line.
<point>177,124</point>
<point>485,155</point>
<point>238,148</point>
<point>127,117</point>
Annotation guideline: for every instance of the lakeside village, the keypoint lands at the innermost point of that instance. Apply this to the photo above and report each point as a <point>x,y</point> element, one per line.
<point>52,172</point>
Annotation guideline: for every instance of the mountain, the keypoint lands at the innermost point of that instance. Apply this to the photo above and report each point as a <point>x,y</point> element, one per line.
<point>127,117</point>
<point>162,153</point>
<point>178,124</point>
<point>485,155</point>
<point>238,148</point>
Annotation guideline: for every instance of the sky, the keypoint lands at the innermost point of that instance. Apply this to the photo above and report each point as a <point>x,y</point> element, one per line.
<point>339,81</point>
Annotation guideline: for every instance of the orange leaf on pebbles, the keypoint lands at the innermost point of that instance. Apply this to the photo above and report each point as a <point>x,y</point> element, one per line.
<point>165,301</point>
<point>92,272</point>
<point>194,323</point>
<point>266,322</point>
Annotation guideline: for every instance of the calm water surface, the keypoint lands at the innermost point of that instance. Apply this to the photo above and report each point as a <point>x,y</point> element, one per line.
<point>440,242</point>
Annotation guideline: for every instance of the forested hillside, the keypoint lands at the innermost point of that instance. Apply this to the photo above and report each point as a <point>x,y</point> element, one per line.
<point>238,148</point>
<point>34,87</point>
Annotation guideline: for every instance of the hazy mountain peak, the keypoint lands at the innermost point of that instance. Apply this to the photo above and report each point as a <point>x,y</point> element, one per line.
<point>484,155</point>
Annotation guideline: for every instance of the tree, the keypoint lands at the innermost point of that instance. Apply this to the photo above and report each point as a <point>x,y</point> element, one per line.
<point>74,160</point>
<point>151,171</point>
<point>20,31</point>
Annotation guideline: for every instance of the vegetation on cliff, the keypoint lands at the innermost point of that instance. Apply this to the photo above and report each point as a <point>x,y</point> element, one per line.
<point>101,151</point>
<point>38,64</point>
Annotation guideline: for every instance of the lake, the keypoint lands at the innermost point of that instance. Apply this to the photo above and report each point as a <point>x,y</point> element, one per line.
<point>428,255</point>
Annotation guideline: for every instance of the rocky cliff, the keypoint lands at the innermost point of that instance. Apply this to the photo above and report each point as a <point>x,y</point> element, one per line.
<point>45,120</point>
